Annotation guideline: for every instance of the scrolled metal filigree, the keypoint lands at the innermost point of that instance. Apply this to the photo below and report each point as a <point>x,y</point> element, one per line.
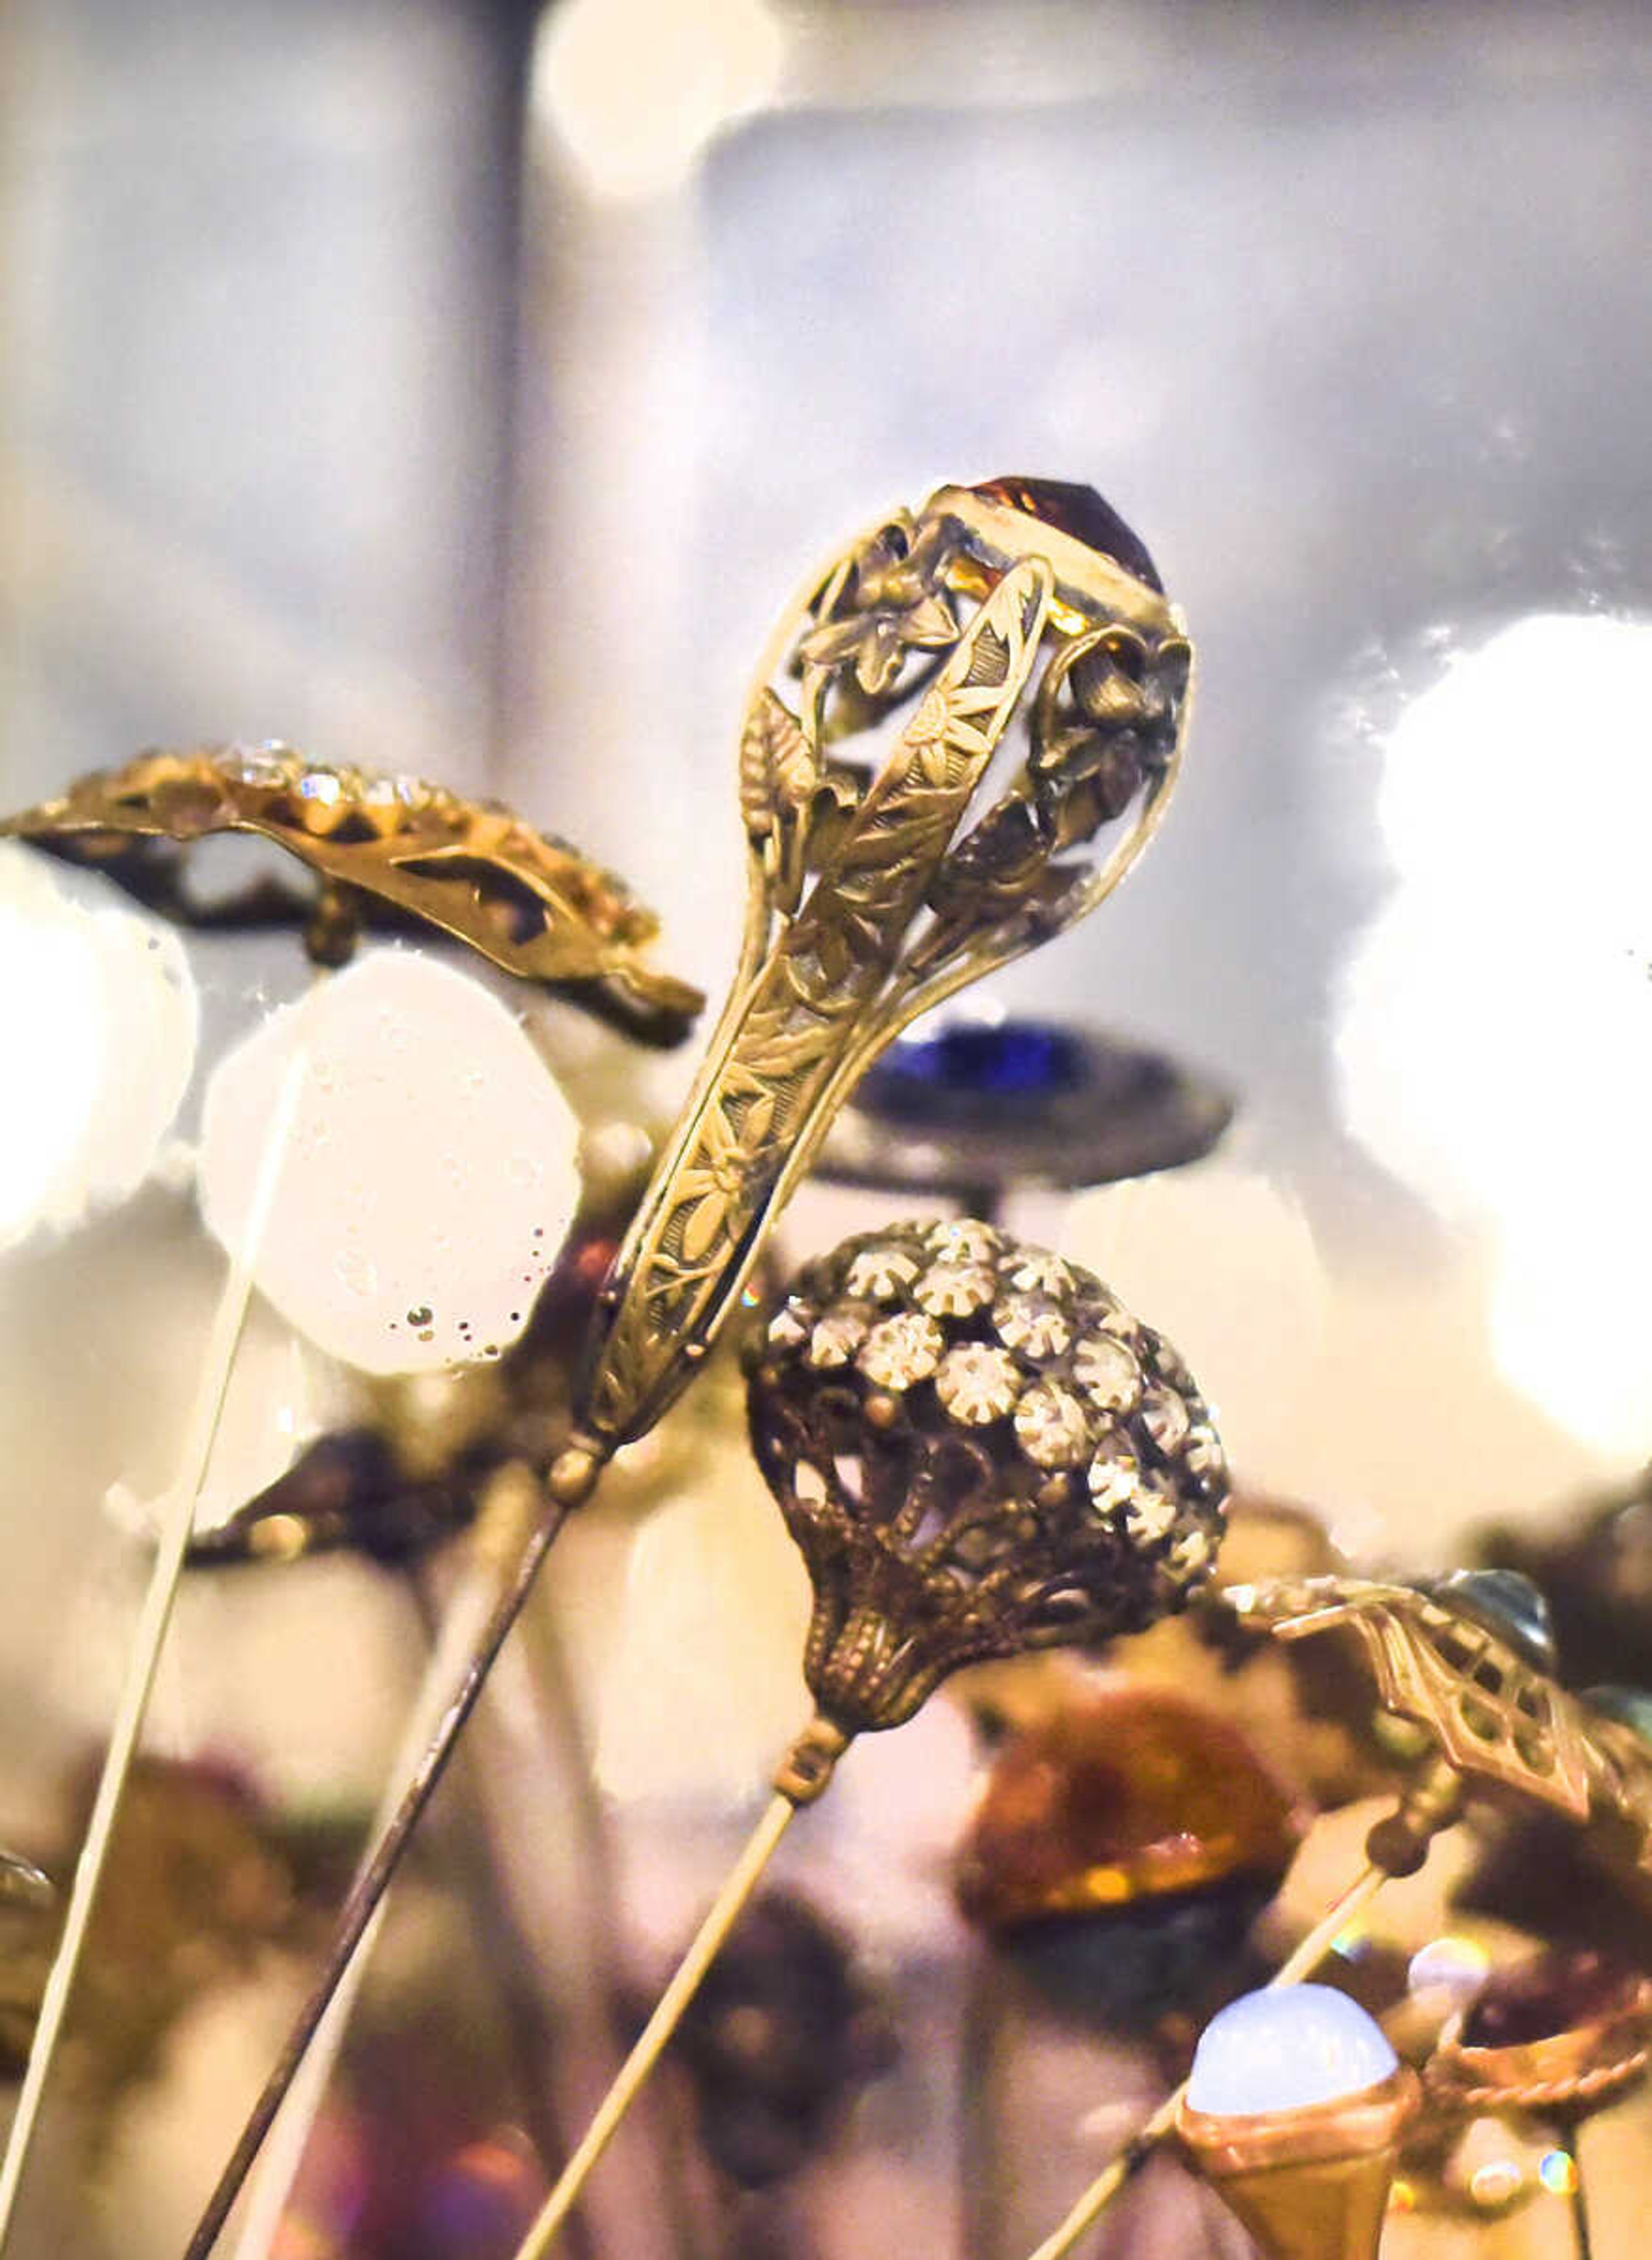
<point>388,851</point>
<point>1503,1724</point>
<point>978,1451</point>
<point>871,897</point>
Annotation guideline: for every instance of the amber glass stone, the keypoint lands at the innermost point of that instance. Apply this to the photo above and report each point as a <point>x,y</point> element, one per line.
<point>1127,1795</point>
<point>1076,511</point>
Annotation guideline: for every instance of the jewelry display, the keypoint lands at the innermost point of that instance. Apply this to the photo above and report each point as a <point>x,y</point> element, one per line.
<point>866,904</point>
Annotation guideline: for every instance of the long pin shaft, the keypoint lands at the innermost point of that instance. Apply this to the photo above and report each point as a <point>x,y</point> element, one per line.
<point>1306,1958</point>
<point>737,1889</point>
<point>176,1523</point>
<point>374,1879</point>
<point>462,1624</point>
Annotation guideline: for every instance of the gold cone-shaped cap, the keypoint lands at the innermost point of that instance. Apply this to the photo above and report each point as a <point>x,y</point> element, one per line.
<point>1308,2184</point>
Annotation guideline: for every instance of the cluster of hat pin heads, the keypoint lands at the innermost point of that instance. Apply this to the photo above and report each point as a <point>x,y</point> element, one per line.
<point>977,1448</point>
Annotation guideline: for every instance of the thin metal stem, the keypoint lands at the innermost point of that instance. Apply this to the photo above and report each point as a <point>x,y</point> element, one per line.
<point>1309,1952</point>
<point>177,1520</point>
<point>737,1889</point>
<point>374,1879</point>
<point>462,1625</point>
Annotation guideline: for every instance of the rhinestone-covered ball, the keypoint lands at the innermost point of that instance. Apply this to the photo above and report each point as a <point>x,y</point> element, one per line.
<point>978,1451</point>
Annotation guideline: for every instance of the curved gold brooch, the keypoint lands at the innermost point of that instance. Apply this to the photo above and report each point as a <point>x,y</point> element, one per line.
<point>390,852</point>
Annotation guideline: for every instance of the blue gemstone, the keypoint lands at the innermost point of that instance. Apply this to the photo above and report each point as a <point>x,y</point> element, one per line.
<point>974,1059</point>
<point>1630,1706</point>
<point>1285,2048</point>
<point>1506,1603</point>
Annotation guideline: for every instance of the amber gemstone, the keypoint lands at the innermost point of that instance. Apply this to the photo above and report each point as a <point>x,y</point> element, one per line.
<point>1079,512</point>
<point>1127,1795</point>
<point>1550,1993</point>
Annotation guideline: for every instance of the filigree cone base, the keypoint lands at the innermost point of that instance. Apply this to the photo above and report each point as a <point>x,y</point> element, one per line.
<point>978,1451</point>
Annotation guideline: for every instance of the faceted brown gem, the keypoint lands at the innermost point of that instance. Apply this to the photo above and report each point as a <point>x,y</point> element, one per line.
<point>1079,512</point>
<point>1128,1794</point>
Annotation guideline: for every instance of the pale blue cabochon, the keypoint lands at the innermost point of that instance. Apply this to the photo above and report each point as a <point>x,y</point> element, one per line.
<point>1284,2048</point>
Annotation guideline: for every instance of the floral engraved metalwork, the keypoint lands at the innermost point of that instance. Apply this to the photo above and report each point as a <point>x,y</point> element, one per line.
<point>871,897</point>
<point>387,850</point>
<point>1501,1723</point>
<point>939,1480</point>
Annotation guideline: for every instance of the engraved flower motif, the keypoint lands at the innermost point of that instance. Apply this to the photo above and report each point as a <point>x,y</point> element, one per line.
<point>891,605</point>
<point>725,1162</point>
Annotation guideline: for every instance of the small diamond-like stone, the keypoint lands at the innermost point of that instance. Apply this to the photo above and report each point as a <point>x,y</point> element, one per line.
<point>1202,1455</point>
<point>962,1240</point>
<point>978,1384</point>
<point>882,1272</point>
<point>901,1351</point>
<point>837,1337</point>
<point>1113,1476</point>
<point>1034,1325</point>
<point>956,1290</point>
<point>1036,1273</point>
<point>1164,1417</point>
<point>262,766</point>
<point>1051,1426</point>
<point>1151,1513</point>
<point>1105,1370</point>
<point>323,786</point>
<point>787,1329</point>
<point>1192,1553</point>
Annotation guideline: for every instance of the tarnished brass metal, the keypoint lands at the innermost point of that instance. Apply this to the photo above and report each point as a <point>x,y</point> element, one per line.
<point>387,850</point>
<point>1501,1723</point>
<point>868,899</point>
<point>978,1452</point>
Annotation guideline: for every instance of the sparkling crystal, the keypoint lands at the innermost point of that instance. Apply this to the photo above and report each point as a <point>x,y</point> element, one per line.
<point>1164,1417</point>
<point>1114,1474</point>
<point>901,1351</point>
<point>882,1272</point>
<point>788,1328</point>
<point>1192,1553</point>
<point>978,1384</point>
<point>262,766</point>
<point>1036,1273</point>
<point>1034,1325</point>
<point>962,1240</point>
<point>1051,1426</point>
<point>956,1290</point>
<point>1202,1455</point>
<point>1285,2048</point>
<point>1107,1373</point>
<point>837,1337</point>
<point>1150,1514</point>
<point>324,785</point>
<point>1078,511</point>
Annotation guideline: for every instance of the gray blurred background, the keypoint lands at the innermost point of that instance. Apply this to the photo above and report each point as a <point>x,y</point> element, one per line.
<point>456,389</point>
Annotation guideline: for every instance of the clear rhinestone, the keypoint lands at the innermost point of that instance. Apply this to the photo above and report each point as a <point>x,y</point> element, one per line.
<point>978,1384</point>
<point>1051,1426</point>
<point>901,1351</point>
<point>1034,1325</point>
<point>788,1328</point>
<point>1192,1553</point>
<point>262,766</point>
<point>1114,1319</point>
<point>956,1290</point>
<point>1036,1273</point>
<point>882,1273</point>
<point>837,1337</point>
<point>962,1240</point>
<point>1151,1513</point>
<point>1202,1455</point>
<point>1164,1417</point>
<point>1105,1370</point>
<point>1114,1477</point>
<point>325,786</point>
